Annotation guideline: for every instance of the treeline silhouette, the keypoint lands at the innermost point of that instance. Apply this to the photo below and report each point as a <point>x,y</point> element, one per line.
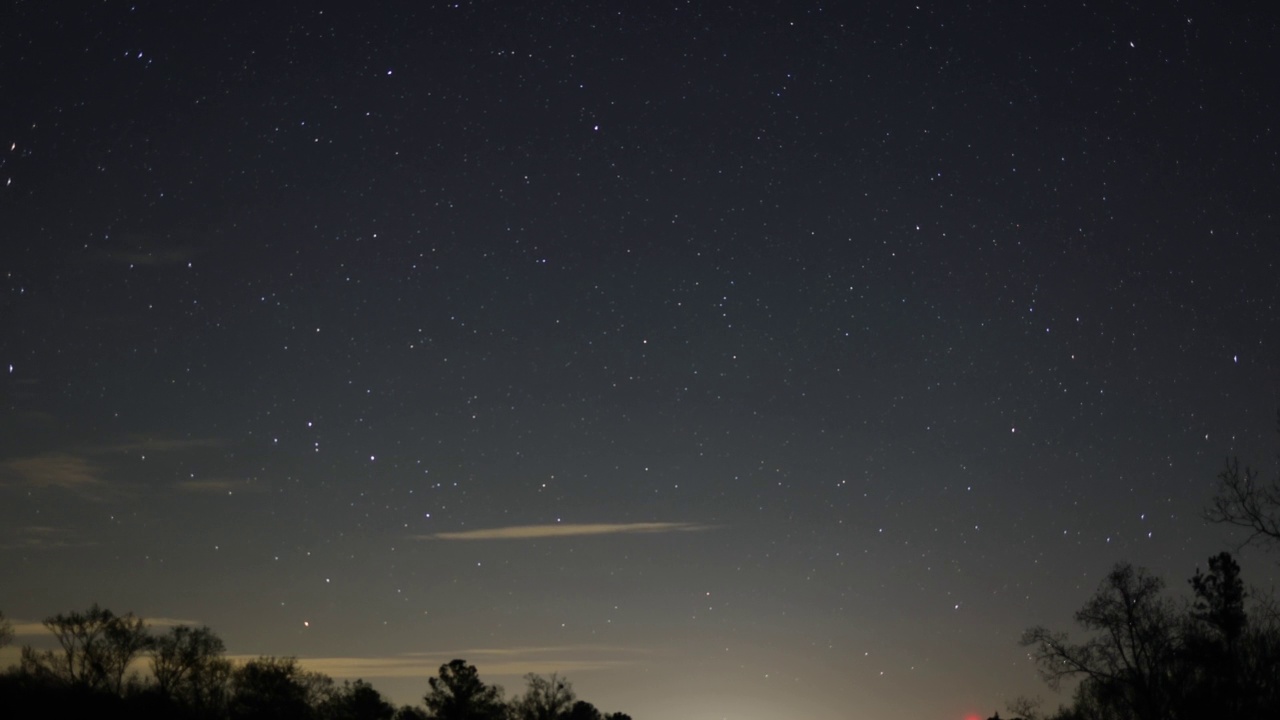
<point>1151,657</point>
<point>94,672</point>
<point>1147,656</point>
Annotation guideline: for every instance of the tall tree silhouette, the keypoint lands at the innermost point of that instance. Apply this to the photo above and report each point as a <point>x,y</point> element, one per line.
<point>458,694</point>
<point>1150,659</point>
<point>1126,664</point>
<point>1220,598</point>
<point>96,648</point>
<point>188,666</point>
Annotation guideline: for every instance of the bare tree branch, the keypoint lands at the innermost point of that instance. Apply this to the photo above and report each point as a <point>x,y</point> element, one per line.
<point>1244,501</point>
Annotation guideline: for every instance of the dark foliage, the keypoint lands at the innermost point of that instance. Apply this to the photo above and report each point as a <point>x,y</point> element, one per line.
<point>92,673</point>
<point>1148,659</point>
<point>357,701</point>
<point>411,712</point>
<point>583,710</point>
<point>269,689</point>
<point>458,694</point>
<point>189,669</point>
<point>95,650</point>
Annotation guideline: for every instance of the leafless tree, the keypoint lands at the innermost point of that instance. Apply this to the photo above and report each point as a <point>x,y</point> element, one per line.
<point>188,666</point>
<point>96,648</point>
<point>546,698</point>
<point>1128,660</point>
<point>1244,501</point>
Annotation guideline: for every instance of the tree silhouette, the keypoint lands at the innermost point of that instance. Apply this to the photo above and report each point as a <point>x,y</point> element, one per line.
<point>1243,501</point>
<point>458,694</point>
<point>188,667</point>
<point>544,698</point>
<point>411,712</point>
<point>1215,657</point>
<point>190,679</point>
<point>583,710</point>
<point>96,648</point>
<point>357,701</point>
<point>1126,665</point>
<point>269,688</point>
<point>1220,598</point>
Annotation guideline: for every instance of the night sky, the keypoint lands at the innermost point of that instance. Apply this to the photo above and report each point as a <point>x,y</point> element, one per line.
<point>753,361</point>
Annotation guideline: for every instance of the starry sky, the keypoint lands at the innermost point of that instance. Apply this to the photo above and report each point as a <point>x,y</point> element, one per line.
<point>741,361</point>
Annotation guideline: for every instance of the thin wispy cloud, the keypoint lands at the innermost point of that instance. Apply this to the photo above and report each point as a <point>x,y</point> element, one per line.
<point>164,622</point>
<point>513,662</point>
<point>520,668</point>
<point>40,537</point>
<point>370,667</point>
<point>60,470</point>
<point>38,629</point>
<point>533,532</point>
<point>29,629</point>
<point>543,660</point>
<point>84,469</point>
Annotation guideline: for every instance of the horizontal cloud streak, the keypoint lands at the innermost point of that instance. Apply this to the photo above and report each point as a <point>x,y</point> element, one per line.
<point>366,667</point>
<point>39,537</point>
<point>30,629</point>
<point>61,470</point>
<point>533,532</point>
<point>497,662</point>
<point>163,622</point>
<point>84,470</point>
<point>38,629</point>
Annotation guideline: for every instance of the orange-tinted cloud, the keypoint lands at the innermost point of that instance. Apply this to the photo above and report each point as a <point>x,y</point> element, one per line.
<point>514,662</point>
